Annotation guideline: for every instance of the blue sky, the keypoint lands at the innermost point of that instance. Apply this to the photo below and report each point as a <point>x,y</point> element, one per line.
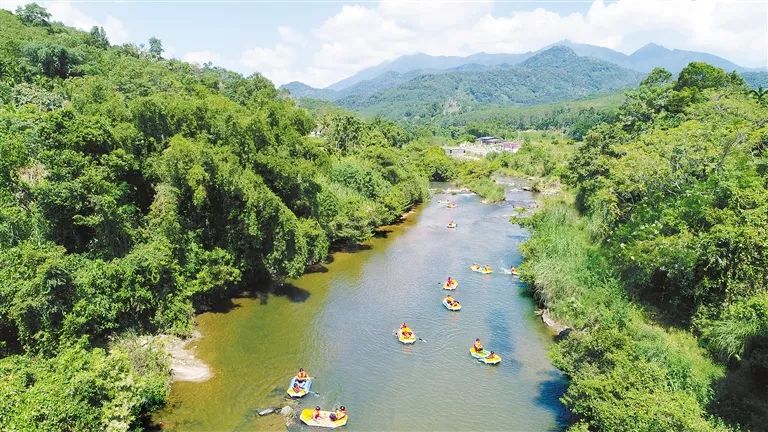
<point>320,42</point>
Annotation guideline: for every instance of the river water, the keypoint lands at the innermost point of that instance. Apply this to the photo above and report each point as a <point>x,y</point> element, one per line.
<point>338,324</point>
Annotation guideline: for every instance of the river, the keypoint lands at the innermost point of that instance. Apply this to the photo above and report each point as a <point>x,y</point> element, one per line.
<point>338,323</point>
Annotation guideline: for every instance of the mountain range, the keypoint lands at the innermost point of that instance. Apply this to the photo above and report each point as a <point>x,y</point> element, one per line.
<point>420,84</point>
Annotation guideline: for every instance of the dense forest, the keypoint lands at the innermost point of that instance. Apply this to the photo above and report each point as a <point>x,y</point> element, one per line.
<point>658,261</point>
<point>136,190</point>
<point>553,75</point>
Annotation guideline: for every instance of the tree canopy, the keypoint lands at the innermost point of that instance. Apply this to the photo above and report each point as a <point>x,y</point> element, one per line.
<point>136,190</point>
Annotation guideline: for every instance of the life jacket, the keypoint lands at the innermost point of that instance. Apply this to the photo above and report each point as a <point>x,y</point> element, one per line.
<point>302,375</point>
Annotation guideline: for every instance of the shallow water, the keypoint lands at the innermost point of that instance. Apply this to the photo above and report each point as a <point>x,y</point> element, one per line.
<point>339,323</point>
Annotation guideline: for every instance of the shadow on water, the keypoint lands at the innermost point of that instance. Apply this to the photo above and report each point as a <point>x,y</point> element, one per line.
<point>291,291</point>
<point>288,290</point>
<point>316,268</point>
<point>382,233</point>
<point>550,390</point>
<point>353,247</point>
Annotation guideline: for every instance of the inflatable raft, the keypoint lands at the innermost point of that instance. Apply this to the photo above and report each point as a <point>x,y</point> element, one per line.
<point>304,388</point>
<point>325,421</point>
<point>452,286</point>
<point>482,356</point>
<point>481,269</point>
<point>454,308</point>
<point>405,340</point>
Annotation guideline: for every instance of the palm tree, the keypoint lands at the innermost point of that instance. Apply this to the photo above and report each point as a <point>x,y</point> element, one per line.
<point>759,94</point>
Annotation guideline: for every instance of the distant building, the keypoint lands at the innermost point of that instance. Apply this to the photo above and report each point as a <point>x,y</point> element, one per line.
<point>497,144</point>
<point>510,146</point>
<point>487,140</point>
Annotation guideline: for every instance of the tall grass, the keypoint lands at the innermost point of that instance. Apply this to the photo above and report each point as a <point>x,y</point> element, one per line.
<point>626,372</point>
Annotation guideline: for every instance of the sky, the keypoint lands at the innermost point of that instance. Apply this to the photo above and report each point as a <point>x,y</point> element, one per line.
<point>323,41</point>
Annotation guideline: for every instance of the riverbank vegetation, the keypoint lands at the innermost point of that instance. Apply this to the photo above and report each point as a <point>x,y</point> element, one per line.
<point>542,159</point>
<point>663,273</point>
<point>137,189</point>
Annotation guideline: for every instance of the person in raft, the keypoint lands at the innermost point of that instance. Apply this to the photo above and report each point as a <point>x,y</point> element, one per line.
<point>316,415</point>
<point>339,414</point>
<point>450,281</point>
<point>406,331</point>
<point>296,387</point>
<point>302,376</point>
<point>449,300</point>
<point>491,356</point>
<point>477,346</point>
<point>512,269</point>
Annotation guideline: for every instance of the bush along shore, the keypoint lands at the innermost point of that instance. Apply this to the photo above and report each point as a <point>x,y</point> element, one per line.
<point>657,258</point>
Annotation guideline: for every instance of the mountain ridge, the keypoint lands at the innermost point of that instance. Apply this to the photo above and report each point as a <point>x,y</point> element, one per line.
<point>644,59</point>
<point>557,73</point>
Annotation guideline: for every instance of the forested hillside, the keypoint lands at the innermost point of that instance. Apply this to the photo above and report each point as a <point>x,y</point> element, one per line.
<point>662,275</point>
<point>136,189</point>
<point>553,75</point>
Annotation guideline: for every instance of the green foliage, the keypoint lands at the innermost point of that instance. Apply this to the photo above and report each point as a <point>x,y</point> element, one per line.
<point>155,48</point>
<point>135,190</point>
<point>51,60</point>
<point>431,160</point>
<point>360,177</point>
<point>701,76</point>
<point>556,74</point>
<point>82,389</point>
<point>33,14</point>
<point>99,37</point>
<point>625,373</point>
<point>675,192</point>
<point>734,332</point>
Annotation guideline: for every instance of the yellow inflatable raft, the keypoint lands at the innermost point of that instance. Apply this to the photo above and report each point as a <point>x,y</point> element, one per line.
<point>483,356</point>
<point>481,269</point>
<point>325,421</point>
<point>452,286</point>
<point>454,307</point>
<point>405,340</point>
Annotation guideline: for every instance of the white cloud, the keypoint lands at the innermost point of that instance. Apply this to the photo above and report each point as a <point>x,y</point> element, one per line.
<point>272,62</point>
<point>359,36</point>
<point>65,12</point>
<point>11,5</point>
<point>201,57</point>
<point>116,32</point>
<point>291,35</point>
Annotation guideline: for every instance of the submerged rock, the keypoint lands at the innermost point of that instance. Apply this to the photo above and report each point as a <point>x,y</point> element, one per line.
<point>561,330</point>
<point>267,411</point>
<point>287,411</point>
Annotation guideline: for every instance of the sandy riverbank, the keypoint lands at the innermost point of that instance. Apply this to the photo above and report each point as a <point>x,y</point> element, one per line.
<point>185,366</point>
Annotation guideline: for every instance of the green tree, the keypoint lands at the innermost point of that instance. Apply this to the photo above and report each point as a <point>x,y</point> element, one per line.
<point>52,60</point>
<point>99,37</point>
<point>698,75</point>
<point>759,94</point>
<point>155,48</point>
<point>34,14</point>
